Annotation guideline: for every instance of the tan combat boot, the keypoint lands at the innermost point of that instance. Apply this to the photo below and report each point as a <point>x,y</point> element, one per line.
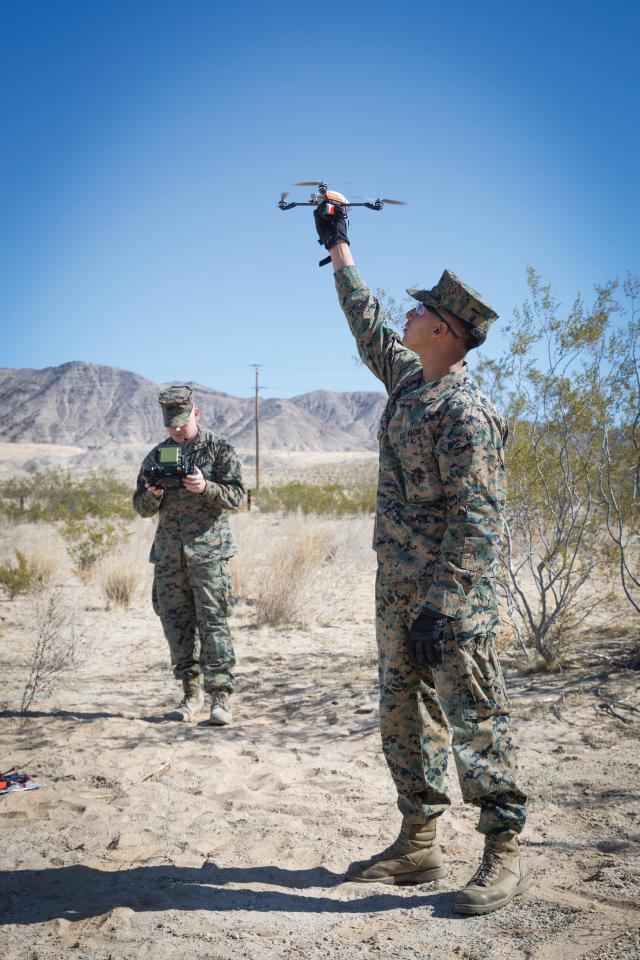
<point>220,714</point>
<point>414,857</point>
<point>501,877</point>
<point>192,702</point>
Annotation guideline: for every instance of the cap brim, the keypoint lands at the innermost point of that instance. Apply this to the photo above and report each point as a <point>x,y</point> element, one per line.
<point>424,296</point>
<point>175,418</point>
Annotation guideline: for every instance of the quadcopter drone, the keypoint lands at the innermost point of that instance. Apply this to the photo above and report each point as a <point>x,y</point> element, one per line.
<point>321,195</point>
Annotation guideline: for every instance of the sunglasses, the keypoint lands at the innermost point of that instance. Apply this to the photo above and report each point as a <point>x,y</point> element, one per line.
<point>421,308</point>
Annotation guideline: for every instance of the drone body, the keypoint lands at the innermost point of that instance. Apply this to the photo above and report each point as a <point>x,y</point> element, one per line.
<point>322,194</point>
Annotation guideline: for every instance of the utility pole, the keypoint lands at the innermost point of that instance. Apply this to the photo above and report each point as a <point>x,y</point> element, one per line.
<point>257,369</point>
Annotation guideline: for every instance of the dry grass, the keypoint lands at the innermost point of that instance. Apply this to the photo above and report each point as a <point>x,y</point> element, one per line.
<point>298,569</point>
<point>43,547</point>
<point>125,576</point>
<point>280,581</point>
<point>120,585</point>
<point>240,586</point>
<point>44,563</point>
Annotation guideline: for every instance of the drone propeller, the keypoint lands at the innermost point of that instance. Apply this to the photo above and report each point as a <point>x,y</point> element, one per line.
<point>323,194</point>
<point>322,183</point>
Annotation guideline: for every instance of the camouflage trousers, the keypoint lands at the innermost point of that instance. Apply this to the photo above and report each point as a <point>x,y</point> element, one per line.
<point>192,601</point>
<point>466,694</point>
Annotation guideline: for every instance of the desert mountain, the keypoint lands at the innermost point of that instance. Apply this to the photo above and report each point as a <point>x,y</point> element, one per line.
<point>92,405</point>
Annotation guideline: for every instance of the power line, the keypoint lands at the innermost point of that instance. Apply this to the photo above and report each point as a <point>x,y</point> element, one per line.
<point>257,418</point>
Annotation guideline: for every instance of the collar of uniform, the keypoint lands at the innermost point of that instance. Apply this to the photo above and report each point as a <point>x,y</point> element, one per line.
<point>428,392</point>
<point>197,442</point>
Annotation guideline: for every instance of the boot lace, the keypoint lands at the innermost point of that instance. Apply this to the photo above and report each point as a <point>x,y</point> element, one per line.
<point>191,693</point>
<point>488,870</point>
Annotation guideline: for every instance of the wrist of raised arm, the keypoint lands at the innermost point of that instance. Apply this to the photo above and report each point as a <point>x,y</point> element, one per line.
<point>341,255</point>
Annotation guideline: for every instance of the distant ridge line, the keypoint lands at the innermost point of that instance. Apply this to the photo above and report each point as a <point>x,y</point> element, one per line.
<point>92,404</point>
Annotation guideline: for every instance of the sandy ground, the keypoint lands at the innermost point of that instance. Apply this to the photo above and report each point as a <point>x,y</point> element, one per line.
<point>155,839</point>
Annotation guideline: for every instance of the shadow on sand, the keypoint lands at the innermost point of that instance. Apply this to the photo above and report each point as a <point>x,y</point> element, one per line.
<point>78,892</point>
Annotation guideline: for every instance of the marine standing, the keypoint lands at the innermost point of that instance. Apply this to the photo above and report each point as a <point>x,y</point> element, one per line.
<point>191,550</point>
<point>438,531</point>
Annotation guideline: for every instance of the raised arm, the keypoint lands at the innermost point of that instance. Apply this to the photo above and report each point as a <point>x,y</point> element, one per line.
<point>380,347</point>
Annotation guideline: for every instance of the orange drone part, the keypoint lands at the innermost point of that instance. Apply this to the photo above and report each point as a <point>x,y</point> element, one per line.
<point>338,197</point>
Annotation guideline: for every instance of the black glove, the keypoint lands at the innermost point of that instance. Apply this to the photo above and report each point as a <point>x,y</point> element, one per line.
<point>331,224</point>
<point>425,644</point>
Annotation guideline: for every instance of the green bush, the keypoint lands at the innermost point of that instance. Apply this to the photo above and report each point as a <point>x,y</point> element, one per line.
<point>56,495</point>
<point>87,509</point>
<point>19,577</point>
<point>90,540</point>
<point>321,499</point>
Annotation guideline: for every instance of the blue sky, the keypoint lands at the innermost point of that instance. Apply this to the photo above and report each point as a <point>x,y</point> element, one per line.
<point>145,145</point>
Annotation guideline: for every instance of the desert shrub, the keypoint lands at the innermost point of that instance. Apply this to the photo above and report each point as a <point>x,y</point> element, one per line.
<point>27,573</point>
<point>282,580</point>
<point>56,647</point>
<point>613,389</point>
<point>329,499</point>
<point>57,495</point>
<point>91,510</point>
<point>16,577</point>
<point>562,384</point>
<point>119,585</point>
<point>89,540</point>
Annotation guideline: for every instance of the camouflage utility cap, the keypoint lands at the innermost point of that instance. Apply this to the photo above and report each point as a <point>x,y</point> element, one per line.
<point>177,404</point>
<point>461,300</point>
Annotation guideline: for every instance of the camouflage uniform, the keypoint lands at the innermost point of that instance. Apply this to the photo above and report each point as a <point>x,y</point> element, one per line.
<point>193,543</point>
<point>438,530</point>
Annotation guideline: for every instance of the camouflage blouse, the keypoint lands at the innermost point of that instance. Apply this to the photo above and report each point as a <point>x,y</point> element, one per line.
<point>195,523</point>
<point>441,484</point>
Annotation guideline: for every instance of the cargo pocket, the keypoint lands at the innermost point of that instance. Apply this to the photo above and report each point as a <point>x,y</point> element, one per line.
<point>479,554</point>
<point>482,682</point>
